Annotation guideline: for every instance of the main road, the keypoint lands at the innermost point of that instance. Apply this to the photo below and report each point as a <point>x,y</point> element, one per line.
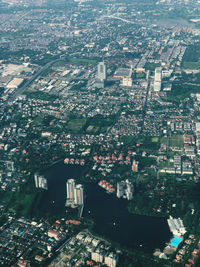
<point>145,101</point>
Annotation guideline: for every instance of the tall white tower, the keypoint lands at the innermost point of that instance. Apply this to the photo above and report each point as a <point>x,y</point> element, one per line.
<point>40,181</point>
<point>157,79</point>
<point>70,189</point>
<point>78,198</point>
<point>102,71</point>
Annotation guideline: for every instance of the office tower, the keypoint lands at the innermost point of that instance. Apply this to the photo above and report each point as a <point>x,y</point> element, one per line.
<point>70,189</point>
<point>101,75</point>
<point>40,181</point>
<point>157,79</point>
<point>78,195</point>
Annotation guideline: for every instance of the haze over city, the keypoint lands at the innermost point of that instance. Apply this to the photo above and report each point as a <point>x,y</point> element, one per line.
<point>100,133</point>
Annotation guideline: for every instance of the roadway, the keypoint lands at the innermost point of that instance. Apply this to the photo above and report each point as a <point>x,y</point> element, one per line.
<point>116,17</point>
<point>145,101</point>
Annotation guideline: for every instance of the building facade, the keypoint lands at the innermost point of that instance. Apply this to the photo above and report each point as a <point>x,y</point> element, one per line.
<point>102,72</point>
<point>40,181</point>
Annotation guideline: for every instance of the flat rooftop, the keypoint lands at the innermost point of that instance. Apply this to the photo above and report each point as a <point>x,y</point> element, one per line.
<point>122,72</point>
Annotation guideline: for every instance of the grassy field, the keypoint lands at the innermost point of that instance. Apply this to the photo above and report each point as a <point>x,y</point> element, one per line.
<point>92,129</point>
<point>76,125</point>
<point>191,65</point>
<point>163,140</point>
<point>176,141</point>
<point>128,140</point>
<point>140,75</point>
<point>154,139</point>
<point>83,61</point>
<point>40,95</point>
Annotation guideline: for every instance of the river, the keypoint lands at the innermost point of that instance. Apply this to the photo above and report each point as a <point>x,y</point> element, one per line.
<point>109,213</point>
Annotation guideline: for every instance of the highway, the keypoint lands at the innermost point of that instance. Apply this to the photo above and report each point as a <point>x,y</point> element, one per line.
<point>145,101</point>
<point>115,17</point>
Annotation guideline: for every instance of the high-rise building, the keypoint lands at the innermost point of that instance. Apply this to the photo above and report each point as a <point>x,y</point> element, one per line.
<point>157,79</point>
<point>70,185</point>
<point>97,256</point>
<point>129,190</point>
<point>111,260</point>
<point>78,195</point>
<point>125,189</point>
<point>40,181</point>
<point>102,72</point>
<point>101,75</point>
<point>120,189</point>
<point>75,194</point>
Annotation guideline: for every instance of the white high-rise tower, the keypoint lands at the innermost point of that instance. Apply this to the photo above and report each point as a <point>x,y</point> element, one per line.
<point>40,181</point>
<point>78,195</point>
<point>101,75</point>
<point>157,79</point>
<point>70,185</point>
<point>102,72</point>
<point>75,194</point>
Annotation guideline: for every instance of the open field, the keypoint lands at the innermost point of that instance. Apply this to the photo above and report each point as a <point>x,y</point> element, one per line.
<point>76,125</point>
<point>83,61</point>
<point>163,140</point>
<point>154,139</point>
<point>176,141</point>
<point>191,65</point>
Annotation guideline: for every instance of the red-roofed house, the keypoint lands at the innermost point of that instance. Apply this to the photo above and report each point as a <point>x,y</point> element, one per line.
<point>54,234</point>
<point>191,261</point>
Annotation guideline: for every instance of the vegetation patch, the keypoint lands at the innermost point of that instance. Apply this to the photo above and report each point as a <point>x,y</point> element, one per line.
<point>128,140</point>
<point>182,91</point>
<point>76,125</point>
<point>83,61</point>
<point>191,65</point>
<point>92,129</point>
<point>99,123</point>
<point>163,140</point>
<point>40,95</point>
<point>154,139</point>
<point>176,141</point>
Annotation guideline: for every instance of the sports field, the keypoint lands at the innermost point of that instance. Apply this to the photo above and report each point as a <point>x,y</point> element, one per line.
<point>176,141</point>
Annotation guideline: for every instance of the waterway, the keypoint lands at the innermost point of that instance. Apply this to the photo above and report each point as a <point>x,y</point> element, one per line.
<point>110,214</point>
